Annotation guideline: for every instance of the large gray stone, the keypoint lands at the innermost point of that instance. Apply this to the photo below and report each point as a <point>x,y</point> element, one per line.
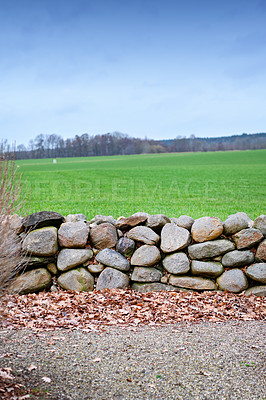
<point>189,282</point>
<point>247,238</point>
<point>157,221</point>
<point>257,272</point>
<point>146,256</point>
<point>73,234</point>
<point>210,249</point>
<point>10,243</point>
<point>130,222</point>
<point>184,221</point>
<point>260,224</point>
<point>102,219</point>
<point>125,246</point>
<point>15,223</point>
<point>261,251</point>
<point>76,218</point>
<point>78,279</point>
<point>41,242</point>
<point>32,281</point>
<point>233,280</point>
<point>143,234</point>
<point>153,287</point>
<point>113,259</point>
<point>206,228</point>
<point>103,236</point>
<point>209,269</point>
<point>238,258</point>
<point>140,214</point>
<point>236,222</point>
<point>146,274</point>
<point>176,263</point>
<point>256,291</point>
<point>43,218</point>
<point>112,278</point>
<point>70,258</point>
<point>174,238</point>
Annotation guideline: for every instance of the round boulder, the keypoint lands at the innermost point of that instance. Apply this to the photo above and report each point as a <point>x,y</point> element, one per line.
<point>210,249</point>
<point>189,282</point>
<point>73,234</point>
<point>146,256</point>
<point>112,278</point>
<point>125,246</point>
<point>78,279</point>
<point>236,222</point>
<point>206,228</point>
<point>174,238</point>
<point>130,222</point>
<point>233,280</point>
<point>32,281</point>
<point>143,234</point>
<point>146,274</point>
<point>41,242</point>
<point>43,218</point>
<point>247,238</point>
<point>140,214</point>
<point>260,224</point>
<point>69,258</point>
<point>157,221</point>
<point>184,221</point>
<point>176,263</point>
<point>256,291</point>
<point>113,259</point>
<point>257,272</point>
<point>238,258</point>
<point>103,236</point>
<point>102,219</point>
<point>76,218</point>
<point>209,269</point>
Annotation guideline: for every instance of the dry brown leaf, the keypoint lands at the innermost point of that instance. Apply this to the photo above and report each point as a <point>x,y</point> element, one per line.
<point>5,373</point>
<point>93,311</point>
<point>31,367</point>
<point>46,379</point>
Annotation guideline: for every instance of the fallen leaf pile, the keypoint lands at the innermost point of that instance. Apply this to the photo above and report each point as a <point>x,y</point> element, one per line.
<point>10,389</point>
<point>93,311</point>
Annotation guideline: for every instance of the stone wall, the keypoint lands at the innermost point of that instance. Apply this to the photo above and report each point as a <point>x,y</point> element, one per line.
<point>145,252</point>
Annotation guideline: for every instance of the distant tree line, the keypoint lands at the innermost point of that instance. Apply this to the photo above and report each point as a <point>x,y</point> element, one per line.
<point>237,142</point>
<point>53,146</point>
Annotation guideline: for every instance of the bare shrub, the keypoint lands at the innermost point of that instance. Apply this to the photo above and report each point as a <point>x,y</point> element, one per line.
<point>11,259</point>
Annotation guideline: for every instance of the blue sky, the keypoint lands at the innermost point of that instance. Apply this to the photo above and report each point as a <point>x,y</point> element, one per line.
<point>145,67</point>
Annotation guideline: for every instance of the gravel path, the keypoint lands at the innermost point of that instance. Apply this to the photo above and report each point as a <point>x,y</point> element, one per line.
<point>205,361</point>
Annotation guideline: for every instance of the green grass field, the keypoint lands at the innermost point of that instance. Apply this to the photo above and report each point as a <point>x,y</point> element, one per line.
<point>196,184</point>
